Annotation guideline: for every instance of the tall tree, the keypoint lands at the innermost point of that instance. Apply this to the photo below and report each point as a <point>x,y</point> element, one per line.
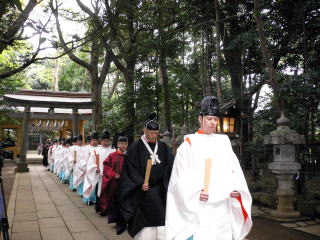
<point>13,21</point>
<point>218,52</point>
<point>96,38</point>
<point>273,81</point>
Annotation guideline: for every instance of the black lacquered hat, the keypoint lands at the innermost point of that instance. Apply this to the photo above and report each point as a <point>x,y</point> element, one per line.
<point>95,135</point>
<point>151,123</point>
<point>106,135</point>
<point>209,106</point>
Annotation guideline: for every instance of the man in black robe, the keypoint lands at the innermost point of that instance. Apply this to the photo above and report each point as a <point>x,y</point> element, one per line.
<point>45,151</point>
<point>143,206</point>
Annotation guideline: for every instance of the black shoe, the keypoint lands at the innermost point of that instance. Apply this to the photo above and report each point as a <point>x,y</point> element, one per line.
<point>97,207</point>
<point>103,214</point>
<point>120,228</point>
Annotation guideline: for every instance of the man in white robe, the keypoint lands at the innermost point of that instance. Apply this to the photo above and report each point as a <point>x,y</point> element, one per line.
<point>65,158</point>
<point>68,167</point>
<point>90,152</point>
<point>224,212</point>
<point>93,176</point>
<point>51,155</point>
<point>76,155</point>
<point>58,158</point>
<point>80,168</point>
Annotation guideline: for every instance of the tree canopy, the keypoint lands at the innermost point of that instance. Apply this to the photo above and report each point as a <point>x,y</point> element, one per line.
<point>139,56</point>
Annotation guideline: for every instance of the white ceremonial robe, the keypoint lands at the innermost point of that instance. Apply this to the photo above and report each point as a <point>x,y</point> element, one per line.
<point>92,178</point>
<point>50,156</point>
<point>55,155</point>
<point>69,163</point>
<point>65,162</point>
<point>80,166</point>
<point>58,159</point>
<point>151,233</point>
<point>222,217</point>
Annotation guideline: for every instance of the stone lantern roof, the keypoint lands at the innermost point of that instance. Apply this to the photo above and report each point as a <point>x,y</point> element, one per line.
<point>283,134</point>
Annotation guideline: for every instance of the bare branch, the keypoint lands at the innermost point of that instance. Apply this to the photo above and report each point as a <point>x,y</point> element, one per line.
<point>85,8</point>
<point>22,67</point>
<point>116,81</point>
<point>17,25</point>
<point>71,55</point>
<point>105,68</point>
<point>267,58</point>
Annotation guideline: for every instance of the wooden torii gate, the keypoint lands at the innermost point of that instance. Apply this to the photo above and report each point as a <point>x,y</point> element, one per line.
<point>47,105</point>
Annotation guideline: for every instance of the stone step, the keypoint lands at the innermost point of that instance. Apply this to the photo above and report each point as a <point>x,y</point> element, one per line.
<point>34,160</point>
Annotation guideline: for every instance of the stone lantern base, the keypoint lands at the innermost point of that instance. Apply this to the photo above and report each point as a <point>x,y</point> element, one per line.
<point>22,167</point>
<point>286,215</point>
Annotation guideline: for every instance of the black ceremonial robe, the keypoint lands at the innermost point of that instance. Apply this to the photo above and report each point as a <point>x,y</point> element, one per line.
<point>144,208</point>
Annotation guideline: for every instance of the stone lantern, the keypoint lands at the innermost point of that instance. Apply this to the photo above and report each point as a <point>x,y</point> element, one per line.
<point>167,139</point>
<point>284,165</point>
<point>180,138</point>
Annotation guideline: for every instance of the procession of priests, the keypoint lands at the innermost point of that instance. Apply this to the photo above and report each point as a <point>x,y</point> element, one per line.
<point>199,194</point>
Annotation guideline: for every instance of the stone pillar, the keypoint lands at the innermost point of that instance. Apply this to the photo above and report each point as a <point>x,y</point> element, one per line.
<point>17,150</point>
<point>40,137</point>
<point>82,128</point>
<point>22,165</point>
<point>75,122</point>
<point>284,165</point>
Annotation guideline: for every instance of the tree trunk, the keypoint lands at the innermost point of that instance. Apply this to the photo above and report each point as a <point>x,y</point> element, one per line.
<point>96,86</point>
<point>207,79</point>
<point>267,59</point>
<point>165,89</point>
<point>233,58</point>
<point>56,76</point>
<point>202,67</point>
<point>96,98</point>
<point>305,41</point>
<point>129,107</point>
<point>218,51</point>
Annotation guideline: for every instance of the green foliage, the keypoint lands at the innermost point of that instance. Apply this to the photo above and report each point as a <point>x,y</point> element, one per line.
<point>14,55</point>
<point>8,85</point>
<point>73,78</point>
<point>184,32</point>
<point>40,75</point>
<point>302,95</point>
<point>113,119</point>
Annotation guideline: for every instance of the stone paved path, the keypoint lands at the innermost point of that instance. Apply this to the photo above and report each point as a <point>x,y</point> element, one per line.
<point>42,208</point>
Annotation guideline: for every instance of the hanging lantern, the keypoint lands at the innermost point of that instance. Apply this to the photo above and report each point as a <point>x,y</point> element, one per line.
<point>227,121</point>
